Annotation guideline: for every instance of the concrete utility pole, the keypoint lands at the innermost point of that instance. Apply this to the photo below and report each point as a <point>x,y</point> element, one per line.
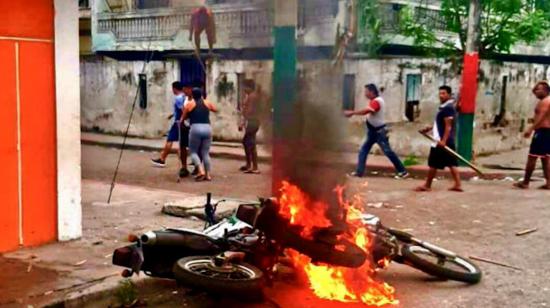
<point>469,82</point>
<point>284,84</point>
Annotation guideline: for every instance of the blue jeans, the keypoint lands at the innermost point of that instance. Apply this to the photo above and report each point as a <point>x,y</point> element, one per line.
<point>379,136</point>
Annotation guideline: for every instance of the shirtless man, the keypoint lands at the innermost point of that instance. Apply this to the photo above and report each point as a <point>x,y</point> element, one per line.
<point>540,146</point>
<point>202,19</point>
<point>251,125</point>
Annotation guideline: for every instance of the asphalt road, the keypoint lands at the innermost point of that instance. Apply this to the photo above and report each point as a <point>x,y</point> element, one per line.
<point>481,222</point>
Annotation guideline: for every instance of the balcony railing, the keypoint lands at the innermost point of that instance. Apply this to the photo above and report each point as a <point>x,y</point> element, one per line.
<point>427,15</point>
<point>164,24</point>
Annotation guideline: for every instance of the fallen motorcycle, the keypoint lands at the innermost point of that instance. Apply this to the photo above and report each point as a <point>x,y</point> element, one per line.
<point>235,256</point>
<point>239,255</point>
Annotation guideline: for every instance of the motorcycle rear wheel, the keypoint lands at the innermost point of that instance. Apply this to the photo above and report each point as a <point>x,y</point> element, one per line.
<point>458,268</point>
<point>200,272</point>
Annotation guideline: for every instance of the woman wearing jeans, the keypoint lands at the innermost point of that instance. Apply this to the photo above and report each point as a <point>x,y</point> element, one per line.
<point>200,134</point>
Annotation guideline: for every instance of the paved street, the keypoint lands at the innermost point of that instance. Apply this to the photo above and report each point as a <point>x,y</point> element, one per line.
<point>481,222</point>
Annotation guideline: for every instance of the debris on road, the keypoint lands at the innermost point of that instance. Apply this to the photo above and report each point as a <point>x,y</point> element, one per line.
<point>495,263</point>
<point>80,263</point>
<point>376,205</point>
<point>194,207</point>
<point>527,231</point>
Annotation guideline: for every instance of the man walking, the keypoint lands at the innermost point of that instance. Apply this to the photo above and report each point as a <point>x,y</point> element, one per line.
<point>174,132</point>
<point>376,133</point>
<point>443,131</point>
<point>540,146</point>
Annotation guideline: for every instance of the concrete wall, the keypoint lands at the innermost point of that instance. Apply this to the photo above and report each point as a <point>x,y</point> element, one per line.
<point>109,86</point>
<point>69,216</point>
<point>108,90</point>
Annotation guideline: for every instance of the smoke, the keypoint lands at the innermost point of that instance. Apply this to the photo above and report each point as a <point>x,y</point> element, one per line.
<point>316,131</point>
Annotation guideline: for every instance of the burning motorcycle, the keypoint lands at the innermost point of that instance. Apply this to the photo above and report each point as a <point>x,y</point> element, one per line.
<point>239,255</point>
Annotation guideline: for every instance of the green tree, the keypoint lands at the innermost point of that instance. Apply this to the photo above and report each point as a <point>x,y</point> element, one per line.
<point>504,23</point>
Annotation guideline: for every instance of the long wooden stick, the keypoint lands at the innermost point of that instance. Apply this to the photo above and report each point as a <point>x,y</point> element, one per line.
<point>495,263</point>
<point>455,154</point>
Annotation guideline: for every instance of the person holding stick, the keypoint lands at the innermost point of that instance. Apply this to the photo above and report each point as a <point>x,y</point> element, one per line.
<point>174,132</point>
<point>444,132</point>
<point>540,146</point>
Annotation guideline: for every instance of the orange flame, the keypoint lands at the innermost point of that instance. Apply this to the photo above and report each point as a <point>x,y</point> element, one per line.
<point>332,282</point>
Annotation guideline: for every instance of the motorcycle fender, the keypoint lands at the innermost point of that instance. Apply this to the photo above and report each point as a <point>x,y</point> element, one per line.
<point>129,256</point>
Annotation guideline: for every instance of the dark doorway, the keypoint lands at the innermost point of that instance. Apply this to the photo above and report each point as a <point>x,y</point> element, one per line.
<point>499,118</point>
<point>349,92</point>
<point>192,72</point>
<point>412,107</point>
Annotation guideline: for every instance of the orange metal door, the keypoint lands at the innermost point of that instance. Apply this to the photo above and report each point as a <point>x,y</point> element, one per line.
<point>38,142</point>
<point>27,119</point>
<point>9,219</point>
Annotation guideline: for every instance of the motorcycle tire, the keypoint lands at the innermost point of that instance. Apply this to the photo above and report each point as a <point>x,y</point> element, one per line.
<point>200,272</point>
<point>427,261</point>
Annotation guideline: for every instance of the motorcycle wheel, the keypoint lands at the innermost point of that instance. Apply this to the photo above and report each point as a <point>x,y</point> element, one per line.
<point>200,272</point>
<point>458,268</point>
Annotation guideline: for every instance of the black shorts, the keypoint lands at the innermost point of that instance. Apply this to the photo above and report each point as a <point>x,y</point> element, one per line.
<point>439,158</point>
<point>251,130</point>
<point>184,136</point>
<point>540,146</point>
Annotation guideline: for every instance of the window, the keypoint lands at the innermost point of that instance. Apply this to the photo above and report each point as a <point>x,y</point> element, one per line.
<point>152,4</point>
<point>84,4</point>
<point>412,101</point>
<point>143,91</point>
<point>348,96</point>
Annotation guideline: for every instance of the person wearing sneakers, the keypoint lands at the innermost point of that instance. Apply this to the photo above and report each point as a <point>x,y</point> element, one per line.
<point>540,146</point>
<point>200,135</point>
<point>376,133</point>
<point>443,131</point>
<point>251,125</point>
<point>174,132</point>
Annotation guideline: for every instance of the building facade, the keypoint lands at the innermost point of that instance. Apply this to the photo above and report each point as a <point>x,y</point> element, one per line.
<point>124,36</point>
<point>39,122</point>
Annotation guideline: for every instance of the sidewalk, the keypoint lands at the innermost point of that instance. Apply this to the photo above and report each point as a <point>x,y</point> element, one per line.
<point>376,165</point>
<point>43,276</point>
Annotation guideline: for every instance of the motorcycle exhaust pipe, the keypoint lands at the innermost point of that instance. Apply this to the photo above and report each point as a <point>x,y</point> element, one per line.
<point>149,238</point>
<point>168,238</point>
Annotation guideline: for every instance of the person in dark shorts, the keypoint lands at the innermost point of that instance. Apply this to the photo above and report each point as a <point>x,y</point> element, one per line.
<point>540,130</point>
<point>444,131</point>
<point>251,124</point>
<point>174,132</point>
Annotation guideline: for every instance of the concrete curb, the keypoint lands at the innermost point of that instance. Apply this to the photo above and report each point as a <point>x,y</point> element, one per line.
<point>147,148</point>
<point>415,171</point>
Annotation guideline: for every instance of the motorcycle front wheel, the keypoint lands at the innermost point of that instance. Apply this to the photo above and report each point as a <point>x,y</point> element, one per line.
<point>200,272</point>
<point>457,268</point>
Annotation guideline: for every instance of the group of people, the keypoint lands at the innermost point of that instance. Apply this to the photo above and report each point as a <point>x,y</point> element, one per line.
<point>444,131</point>
<point>191,128</point>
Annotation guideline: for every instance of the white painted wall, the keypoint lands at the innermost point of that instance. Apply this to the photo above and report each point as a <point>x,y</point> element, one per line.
<point>67,74</point>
